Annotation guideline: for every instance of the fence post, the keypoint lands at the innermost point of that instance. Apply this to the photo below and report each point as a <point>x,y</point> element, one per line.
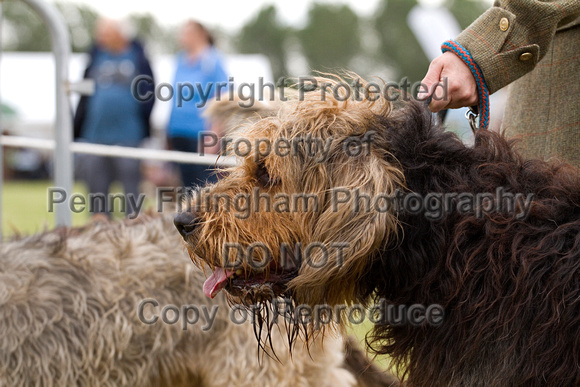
<point>1,148</point>
<point>61,47</point>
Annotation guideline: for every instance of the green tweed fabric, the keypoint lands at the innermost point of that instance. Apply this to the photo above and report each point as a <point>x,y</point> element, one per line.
<point>543,109</point>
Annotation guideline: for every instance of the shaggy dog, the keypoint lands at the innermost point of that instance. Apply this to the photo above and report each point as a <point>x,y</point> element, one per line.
<point>70,305</point>
<point>491,238</point>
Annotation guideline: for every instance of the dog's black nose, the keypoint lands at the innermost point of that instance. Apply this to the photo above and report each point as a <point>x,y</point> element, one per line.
<point>185,223</point>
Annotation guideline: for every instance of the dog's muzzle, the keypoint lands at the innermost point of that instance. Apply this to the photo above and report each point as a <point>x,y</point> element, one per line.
<point>186,223</point>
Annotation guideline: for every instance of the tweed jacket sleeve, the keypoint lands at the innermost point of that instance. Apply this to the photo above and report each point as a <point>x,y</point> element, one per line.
<point>509,39</point>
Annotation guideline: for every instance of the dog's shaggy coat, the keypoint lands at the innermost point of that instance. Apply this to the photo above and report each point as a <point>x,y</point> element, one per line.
<point>510,286</point>
<point>69,317</point>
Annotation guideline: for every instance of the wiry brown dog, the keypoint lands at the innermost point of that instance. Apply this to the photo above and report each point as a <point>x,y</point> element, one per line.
<point>509,284</point>
<point>70,316</point>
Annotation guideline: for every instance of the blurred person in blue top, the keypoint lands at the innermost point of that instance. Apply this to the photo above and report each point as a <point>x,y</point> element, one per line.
<point>112,116</point>
<point>200,65</point>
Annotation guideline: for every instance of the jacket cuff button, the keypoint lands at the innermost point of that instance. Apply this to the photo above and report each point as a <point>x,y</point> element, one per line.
<point>504,24</point>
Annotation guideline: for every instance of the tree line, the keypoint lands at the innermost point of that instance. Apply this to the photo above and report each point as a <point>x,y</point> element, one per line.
<point>334,36</point>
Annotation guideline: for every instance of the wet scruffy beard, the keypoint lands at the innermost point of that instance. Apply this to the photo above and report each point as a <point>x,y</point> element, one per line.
<point>266,311</point>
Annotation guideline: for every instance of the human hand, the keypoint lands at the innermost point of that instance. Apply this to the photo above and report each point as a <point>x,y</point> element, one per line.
<point>461,86</point>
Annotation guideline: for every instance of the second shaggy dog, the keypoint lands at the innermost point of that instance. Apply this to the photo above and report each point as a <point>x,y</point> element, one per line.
<point>70,305</point>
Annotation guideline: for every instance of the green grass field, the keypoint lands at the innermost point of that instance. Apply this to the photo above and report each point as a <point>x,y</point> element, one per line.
<point>26,211</point>
<point>25,207</point>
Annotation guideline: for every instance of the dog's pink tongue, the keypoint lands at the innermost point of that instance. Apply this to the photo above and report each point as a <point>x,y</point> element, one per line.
<point>216,281</point>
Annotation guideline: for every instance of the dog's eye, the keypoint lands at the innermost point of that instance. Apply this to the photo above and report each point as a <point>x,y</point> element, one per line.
<point>263,176</point>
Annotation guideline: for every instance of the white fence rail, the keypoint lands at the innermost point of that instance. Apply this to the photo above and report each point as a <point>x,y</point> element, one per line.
<point>120,151</point>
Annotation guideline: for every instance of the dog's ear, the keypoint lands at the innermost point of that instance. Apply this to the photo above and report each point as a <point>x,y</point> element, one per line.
<point>235,114</point>
<point>355,221</point>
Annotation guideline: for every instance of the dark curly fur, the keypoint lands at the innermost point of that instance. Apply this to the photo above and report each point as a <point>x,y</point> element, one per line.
<point>510,288</point>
